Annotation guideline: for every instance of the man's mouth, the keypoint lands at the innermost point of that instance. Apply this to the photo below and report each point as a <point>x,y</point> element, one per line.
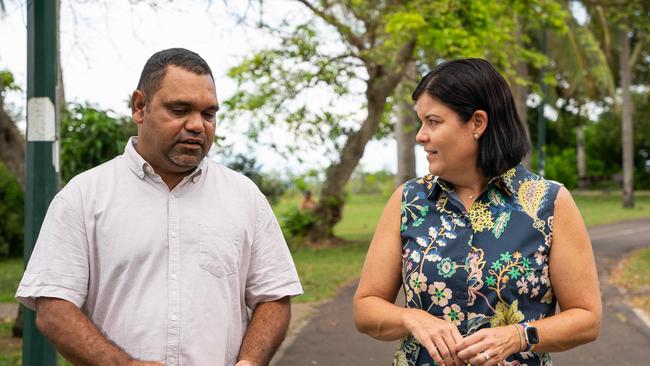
<point>192,143</point>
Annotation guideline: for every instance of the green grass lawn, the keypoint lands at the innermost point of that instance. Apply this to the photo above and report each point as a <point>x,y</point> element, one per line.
<point>599,208</point>
<point>633,273</point>
<point>10,272</point>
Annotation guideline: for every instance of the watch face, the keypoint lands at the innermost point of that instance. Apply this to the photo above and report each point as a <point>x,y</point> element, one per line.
<point>531,335</point>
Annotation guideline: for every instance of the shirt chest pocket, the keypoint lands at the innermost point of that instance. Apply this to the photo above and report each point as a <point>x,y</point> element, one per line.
<point>219,251</point>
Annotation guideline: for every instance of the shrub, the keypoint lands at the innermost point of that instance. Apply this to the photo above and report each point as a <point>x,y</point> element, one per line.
<point>11,215</point>
<point>90,137</point>
<point>295,224</point>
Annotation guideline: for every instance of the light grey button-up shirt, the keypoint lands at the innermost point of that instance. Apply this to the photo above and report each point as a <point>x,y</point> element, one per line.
<point>166,276</point>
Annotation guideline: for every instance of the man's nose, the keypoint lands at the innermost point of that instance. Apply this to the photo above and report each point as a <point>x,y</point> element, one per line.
<point>195,123</point>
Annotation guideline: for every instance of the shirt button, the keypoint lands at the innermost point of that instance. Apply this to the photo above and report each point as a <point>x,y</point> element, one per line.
<point>173,276</point>
<point>174,235</point>
<point>173,317</point>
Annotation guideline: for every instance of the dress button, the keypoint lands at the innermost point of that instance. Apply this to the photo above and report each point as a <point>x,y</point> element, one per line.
<point>174,235</point>
<point>173,317</point>
<point>173,276</point>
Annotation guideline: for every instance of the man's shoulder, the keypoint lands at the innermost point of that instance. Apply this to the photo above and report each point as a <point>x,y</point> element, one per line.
<point>98,173</point>
<point>231,177</point>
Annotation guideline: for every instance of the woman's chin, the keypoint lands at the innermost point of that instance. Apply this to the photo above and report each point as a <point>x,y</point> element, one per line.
<point>434,169</point>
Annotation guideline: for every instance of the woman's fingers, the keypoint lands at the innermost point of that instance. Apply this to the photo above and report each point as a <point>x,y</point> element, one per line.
<point>430,346</point>
<point>451,341</point>
<point>444,351</point>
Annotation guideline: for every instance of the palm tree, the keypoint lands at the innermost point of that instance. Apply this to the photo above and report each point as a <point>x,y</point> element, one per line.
<point>583,75</point>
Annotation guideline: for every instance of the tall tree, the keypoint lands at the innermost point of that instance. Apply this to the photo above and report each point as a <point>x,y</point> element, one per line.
<point>406,126</point>
<point>582,75</point>
<point>373,44</point>
<point>626,22</point>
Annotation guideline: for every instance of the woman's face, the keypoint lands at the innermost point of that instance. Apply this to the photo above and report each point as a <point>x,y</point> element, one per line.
<point>448,141</point>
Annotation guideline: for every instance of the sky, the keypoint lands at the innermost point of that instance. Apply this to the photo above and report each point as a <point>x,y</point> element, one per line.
<point>104,45</point>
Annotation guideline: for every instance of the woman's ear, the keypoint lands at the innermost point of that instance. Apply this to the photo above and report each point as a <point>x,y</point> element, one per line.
<point>479,123</point>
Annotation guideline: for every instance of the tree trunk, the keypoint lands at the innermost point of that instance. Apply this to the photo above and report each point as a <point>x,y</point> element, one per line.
<point>330,206</point>
<point>406,127</point>
<point>520,92</point>
<point>580,155</point>
<point>627,128</point>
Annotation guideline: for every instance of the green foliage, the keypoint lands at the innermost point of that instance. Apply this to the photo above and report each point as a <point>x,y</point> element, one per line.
<point>271,187</point>
<point>11,215</point>
<point>7,82</point>
<point>90,137</point>
<point>603,143</point>
<point>561,166</point>
<point>380,182</point>
<point>349,44</point>
<point>296,224</point>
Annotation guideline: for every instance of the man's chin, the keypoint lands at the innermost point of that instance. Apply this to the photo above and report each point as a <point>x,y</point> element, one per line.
<point>189,162</point>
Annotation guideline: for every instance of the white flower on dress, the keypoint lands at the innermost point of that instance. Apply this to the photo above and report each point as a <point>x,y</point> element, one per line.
<point>440,293</point>
<point>415,256</point>
<point>453,314</point>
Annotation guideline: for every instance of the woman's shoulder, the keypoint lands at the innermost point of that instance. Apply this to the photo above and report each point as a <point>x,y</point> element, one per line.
<point>520,178</point>
<point>424,183</point>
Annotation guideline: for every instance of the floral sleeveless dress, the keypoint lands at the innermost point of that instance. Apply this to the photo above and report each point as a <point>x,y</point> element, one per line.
<point>484,268</point>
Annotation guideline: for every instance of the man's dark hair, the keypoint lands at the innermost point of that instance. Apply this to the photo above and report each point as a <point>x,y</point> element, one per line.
<point>471,84</point>
<point>154,70</point>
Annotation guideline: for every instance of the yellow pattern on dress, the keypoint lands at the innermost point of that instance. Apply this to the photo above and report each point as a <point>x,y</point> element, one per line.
<point>480,217</point>
<point>531,195</point>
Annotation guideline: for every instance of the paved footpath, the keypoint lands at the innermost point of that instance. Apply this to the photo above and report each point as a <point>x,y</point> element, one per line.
<point>330,337</point>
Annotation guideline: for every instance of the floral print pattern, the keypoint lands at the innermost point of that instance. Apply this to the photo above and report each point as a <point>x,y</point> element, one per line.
<point>482,267</point>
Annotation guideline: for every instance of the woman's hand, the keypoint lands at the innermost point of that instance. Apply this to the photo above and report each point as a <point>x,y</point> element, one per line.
<point>489,346</point>
<point>437,336</point>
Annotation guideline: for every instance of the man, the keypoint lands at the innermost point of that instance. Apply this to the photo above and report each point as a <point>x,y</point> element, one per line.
<point>158,256</point>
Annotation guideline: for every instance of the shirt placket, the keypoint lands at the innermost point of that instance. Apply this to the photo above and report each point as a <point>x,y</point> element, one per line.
<point>173,273</point>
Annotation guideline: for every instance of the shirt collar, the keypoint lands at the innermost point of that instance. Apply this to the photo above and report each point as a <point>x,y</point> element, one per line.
<point>508,181</point>
<point>142,168</point>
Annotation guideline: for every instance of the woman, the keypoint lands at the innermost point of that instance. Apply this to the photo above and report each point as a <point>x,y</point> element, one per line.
<point>483,248</point>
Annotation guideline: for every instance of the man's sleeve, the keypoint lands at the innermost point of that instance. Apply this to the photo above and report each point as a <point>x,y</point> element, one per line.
<point>58,266</point>
<point>272,274</point>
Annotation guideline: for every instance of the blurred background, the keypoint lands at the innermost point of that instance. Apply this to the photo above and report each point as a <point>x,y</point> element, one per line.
<point>315,97</point>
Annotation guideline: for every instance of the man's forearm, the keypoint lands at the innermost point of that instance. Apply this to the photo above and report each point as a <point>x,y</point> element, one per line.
<point>74,335</point>
<point>266,331</point>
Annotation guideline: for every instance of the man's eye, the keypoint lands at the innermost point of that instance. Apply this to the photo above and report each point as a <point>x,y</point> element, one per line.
<point>209,116</point>
<point>179,111</point>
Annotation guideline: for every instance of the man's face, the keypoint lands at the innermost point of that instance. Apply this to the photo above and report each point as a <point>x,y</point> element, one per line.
<point>176,127</point>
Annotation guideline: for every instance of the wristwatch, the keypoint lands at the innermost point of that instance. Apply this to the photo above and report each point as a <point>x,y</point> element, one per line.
<point>532,339</point>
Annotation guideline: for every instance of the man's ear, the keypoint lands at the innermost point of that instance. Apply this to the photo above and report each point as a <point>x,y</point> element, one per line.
<point>138,106</point>
<point>479,122</point>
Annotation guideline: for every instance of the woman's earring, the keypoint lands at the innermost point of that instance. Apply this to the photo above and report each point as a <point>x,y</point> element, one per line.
<point>475,136</point>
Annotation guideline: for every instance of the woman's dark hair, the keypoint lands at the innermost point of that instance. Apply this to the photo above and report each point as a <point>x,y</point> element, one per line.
<point>472,84</point>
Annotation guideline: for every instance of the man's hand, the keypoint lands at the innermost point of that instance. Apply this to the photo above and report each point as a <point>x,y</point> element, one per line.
<point>244,363</point>
<point>145,363</point>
